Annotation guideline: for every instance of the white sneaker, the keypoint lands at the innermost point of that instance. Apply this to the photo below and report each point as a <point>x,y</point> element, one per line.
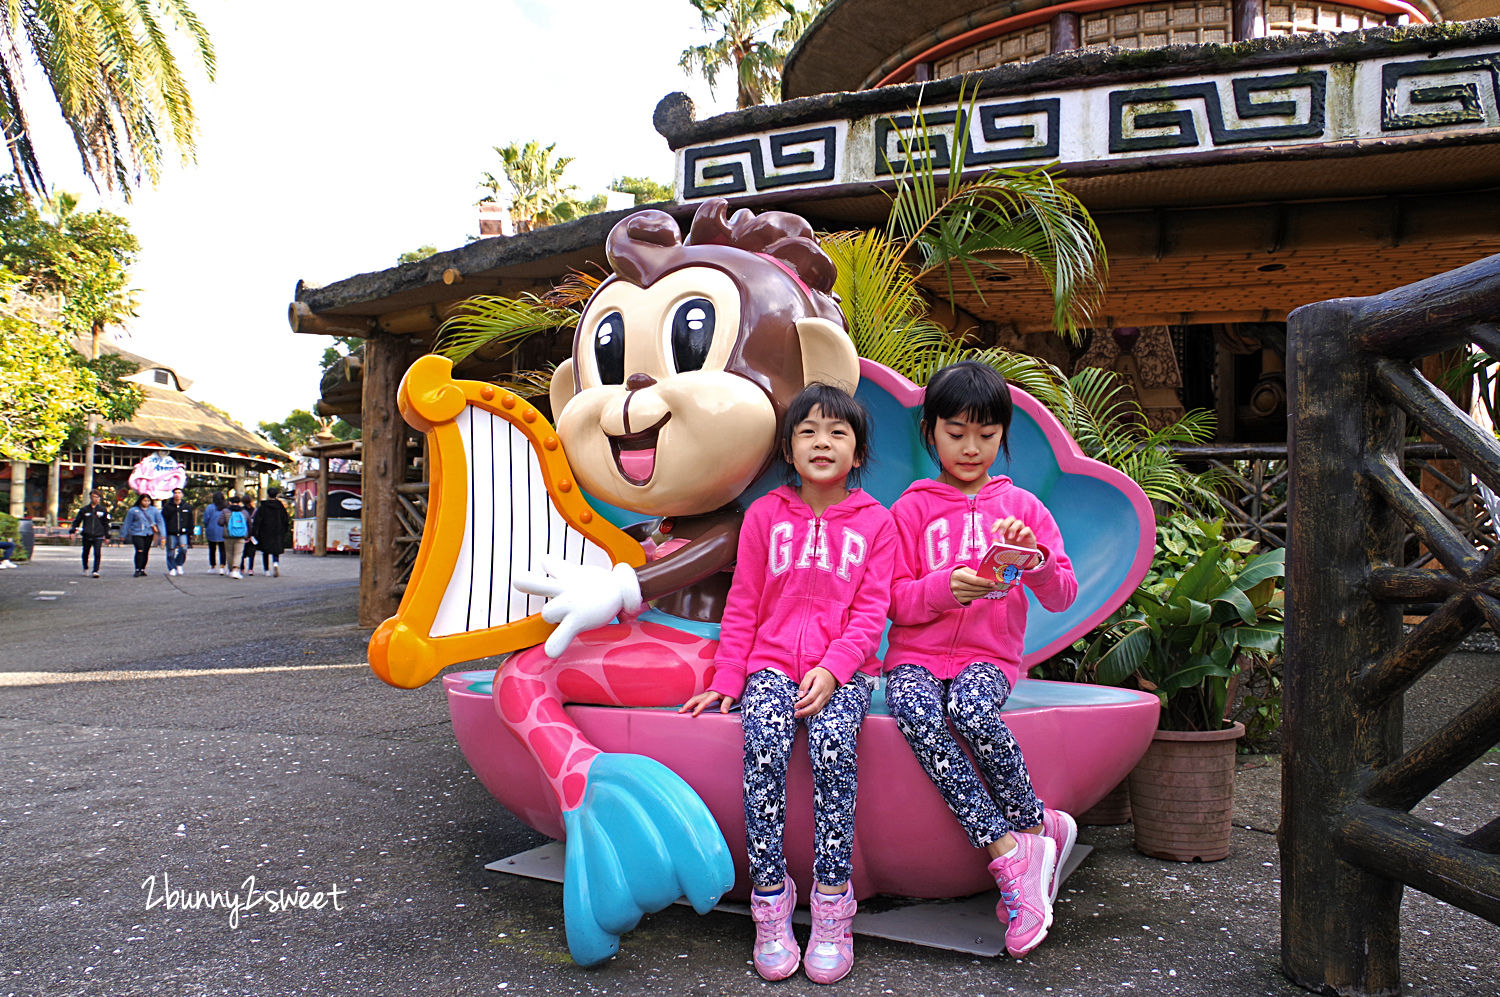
<point>235,574</point>
<point>7,563</point>
<point>223,571</point>
<point>276,570</point>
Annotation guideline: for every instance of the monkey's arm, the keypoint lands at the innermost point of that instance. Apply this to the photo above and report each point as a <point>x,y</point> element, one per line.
<point>710,552</point>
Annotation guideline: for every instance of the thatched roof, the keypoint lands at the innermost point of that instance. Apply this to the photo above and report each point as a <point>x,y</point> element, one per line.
<point>172,421</point>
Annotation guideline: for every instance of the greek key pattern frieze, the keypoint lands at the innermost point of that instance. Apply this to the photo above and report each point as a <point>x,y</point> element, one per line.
<point>1451,95</point>
<point>802,157</point>
<point>1264,108</point>
<point>1439,93</point>
<point>1009,132</point>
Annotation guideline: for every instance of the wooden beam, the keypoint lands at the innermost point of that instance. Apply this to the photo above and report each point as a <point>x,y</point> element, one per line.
<point>417,321</point>
<point>303,320</point>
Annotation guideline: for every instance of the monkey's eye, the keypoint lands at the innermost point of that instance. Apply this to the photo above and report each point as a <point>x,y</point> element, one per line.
<point>692,333</point>
<point>609,349</point>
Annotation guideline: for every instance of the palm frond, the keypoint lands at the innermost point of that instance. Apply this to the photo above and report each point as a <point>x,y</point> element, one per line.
<point>486,320</point>
<point>965,229</point>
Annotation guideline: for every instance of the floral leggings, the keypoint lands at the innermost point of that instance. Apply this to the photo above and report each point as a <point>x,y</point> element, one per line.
<point>767,714</point>
<point>922,705</point>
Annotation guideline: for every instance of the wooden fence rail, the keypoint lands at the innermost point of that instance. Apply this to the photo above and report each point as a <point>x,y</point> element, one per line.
<point>1348,844</point>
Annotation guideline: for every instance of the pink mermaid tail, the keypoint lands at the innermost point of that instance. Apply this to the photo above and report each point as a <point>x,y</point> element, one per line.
<point>638,837</point>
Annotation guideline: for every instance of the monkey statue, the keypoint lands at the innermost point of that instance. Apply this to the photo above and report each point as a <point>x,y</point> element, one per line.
<point>536,543</point>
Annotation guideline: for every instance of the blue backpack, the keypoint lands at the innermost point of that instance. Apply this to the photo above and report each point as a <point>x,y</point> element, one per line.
<point>239,526</point>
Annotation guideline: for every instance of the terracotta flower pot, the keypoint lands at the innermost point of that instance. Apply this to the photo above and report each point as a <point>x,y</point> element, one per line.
<point>1113,809</point>
<point>1182,794</point>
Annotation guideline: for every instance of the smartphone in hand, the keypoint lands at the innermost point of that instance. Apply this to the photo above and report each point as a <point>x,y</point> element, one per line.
<point>1004,562</point>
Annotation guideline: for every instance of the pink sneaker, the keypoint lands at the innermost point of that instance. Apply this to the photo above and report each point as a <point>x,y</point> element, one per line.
<point>1063,830</point>
<point>1024,878</point>
<point>776,952</point>
<point>830,950</point>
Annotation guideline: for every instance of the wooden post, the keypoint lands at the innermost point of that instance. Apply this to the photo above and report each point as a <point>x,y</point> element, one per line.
<point>18,489</point>
<point>1339,923</point>
<point>384,458</point>
<point>320,533</point>
<point>1065,32</point>
<point>1249,19</point>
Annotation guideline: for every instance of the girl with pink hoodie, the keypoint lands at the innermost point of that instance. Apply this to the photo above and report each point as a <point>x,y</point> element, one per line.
<point>956,640</point>
<point>805,613</point>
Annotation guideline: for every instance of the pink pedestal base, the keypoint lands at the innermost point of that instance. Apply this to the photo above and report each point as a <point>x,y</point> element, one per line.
<point>1079,742</point>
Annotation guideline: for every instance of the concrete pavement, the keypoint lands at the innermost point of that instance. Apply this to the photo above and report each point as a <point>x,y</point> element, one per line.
<point>185,734</point>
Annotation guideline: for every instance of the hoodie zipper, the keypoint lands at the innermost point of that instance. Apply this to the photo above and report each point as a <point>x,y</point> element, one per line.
<point>973,515</point>
<point>817,524</point>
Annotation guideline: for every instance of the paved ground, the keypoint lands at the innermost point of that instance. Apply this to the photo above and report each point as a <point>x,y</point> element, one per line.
<point>189,733</point>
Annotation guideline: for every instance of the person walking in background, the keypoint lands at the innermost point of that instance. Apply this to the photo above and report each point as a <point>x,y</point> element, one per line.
<point>93,519</point>
<point>7,548</point>
<point>178,516</point>
<point>143,524</point>
<point>213,535</point>
<point>247,557</point>
<point>270,529</point>
<point>235,519</point>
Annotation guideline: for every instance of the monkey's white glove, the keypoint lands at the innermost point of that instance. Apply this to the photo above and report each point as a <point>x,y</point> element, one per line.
<point>580,597</point>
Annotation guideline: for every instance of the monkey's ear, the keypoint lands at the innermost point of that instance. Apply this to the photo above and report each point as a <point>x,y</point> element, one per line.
<point>827,354</point>
<point>561,391</point>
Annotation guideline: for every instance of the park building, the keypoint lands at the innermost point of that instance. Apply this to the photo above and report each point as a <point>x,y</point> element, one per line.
<point>1241,158</point>
<point>216,452</point>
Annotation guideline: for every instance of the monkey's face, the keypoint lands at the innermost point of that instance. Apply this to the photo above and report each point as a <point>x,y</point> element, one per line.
<point>658,425</point>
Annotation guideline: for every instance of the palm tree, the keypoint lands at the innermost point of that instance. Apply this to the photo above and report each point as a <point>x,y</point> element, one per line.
<point>753,38</point>
<point>537,195</point>
<point>116,78</point>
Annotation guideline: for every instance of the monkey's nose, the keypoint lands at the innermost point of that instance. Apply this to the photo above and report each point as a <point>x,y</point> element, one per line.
<point>636,382</point>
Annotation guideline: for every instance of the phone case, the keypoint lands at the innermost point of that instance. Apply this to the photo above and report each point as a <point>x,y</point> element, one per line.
<point>1005,562</point>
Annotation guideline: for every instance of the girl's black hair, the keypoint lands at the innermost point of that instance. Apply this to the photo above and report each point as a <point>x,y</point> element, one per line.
<point>218,500</point>
<point>967,390</point>
<point>143,497</point>
<point>836,403</point>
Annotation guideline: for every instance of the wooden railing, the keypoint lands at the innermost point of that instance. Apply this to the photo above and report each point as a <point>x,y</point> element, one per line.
<point>1348,841</point>
<point>1255,481</point>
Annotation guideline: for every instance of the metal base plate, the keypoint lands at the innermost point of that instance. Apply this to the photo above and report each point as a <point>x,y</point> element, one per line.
<point>965,924</point>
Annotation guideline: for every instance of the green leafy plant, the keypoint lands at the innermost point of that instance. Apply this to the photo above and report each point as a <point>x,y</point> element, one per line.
<point>10,529</point>
<point>1207,607</point>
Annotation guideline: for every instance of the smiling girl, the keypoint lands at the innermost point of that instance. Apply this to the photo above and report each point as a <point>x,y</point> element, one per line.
<point>956,655</point>
<point>798,639</point>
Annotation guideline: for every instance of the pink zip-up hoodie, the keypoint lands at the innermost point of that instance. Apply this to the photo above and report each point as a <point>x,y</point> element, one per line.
<point>808,590</point>
<point>941,528</point>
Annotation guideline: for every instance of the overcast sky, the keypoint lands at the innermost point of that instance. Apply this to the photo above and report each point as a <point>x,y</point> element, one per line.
<point>340,133</point>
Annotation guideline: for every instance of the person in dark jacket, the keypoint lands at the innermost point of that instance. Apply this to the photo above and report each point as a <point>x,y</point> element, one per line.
<point>271,525</point>
<point>94,521</point>
<point>247,555</point>
<point>178,516</point>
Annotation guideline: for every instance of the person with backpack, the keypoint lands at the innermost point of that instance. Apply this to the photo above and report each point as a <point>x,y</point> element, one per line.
<point>236,522</point>
<point>270,529</point>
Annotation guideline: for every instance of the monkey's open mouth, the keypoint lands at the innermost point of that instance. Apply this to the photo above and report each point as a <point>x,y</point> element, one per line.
<point>635,453</point>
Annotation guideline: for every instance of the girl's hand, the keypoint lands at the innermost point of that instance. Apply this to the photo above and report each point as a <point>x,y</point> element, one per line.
<point>704,700</point>
<point>966,584</point>
<point>1013,531</point>
<point>817,688</point>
